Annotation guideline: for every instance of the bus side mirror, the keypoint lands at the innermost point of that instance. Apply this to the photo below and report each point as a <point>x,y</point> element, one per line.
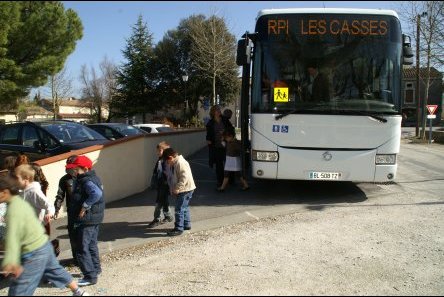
<point>407,52</point>
<point>243,56</point>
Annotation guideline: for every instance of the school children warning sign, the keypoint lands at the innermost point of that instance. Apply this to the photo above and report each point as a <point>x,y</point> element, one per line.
<point>280,95</point>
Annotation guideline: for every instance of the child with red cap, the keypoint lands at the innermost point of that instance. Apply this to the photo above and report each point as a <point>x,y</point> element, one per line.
<point>87,207</point>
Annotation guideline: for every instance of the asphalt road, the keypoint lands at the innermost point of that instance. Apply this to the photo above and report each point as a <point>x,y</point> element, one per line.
<point>420,172</point>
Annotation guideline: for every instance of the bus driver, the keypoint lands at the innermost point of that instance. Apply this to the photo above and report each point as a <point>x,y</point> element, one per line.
<point>318,88</point>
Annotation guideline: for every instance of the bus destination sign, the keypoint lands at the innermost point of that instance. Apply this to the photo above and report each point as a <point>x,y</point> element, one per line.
<point>364,27</point>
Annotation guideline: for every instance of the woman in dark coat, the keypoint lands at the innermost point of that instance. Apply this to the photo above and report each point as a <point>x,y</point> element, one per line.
<point>215,127</point>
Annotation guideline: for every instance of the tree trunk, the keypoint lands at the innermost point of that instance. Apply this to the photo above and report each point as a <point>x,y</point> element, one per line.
<point>99,114</point>
<point>53,95</point>
<point>426,100</point>
<point>426,96</point>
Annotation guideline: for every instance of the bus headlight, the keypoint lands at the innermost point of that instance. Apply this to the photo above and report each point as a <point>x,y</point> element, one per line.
<point>385,159</point>
<point>264,156</point>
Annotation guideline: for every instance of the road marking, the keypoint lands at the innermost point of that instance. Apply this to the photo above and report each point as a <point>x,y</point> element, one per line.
<point>253,216</point>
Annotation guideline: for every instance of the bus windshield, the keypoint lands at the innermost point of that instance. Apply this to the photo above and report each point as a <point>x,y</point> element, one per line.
<point>327,64</point>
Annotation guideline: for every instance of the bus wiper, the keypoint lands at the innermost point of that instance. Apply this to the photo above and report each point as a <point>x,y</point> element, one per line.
<point>373,116</point>
<point>351,112</point>
<point>282,115</point>
<point>308,108</point>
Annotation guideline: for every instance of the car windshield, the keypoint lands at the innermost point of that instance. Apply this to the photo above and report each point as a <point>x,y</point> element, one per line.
<point>127,130</point>
<point>70,132</point>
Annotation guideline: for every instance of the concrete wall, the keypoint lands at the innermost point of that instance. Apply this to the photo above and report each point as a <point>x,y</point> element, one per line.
<point>8,117</point>
<point>125,165</point>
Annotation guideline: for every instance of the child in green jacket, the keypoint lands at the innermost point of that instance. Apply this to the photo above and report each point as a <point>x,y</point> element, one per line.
<point>29,255</point>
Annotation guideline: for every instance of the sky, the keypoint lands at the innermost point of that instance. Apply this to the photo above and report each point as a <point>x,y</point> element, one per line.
<point>108,24</point>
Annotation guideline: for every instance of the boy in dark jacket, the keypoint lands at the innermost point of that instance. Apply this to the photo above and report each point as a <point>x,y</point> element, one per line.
<point>65,191</point>
<point>160,180</point>
<point>87,206</point>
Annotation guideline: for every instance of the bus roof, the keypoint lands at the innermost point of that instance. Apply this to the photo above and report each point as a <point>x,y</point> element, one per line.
<point>327,11</point>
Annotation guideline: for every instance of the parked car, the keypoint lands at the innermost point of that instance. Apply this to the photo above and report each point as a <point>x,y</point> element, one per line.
<point>115,131</point>
<point>154,128</point>
<point>42,139</point>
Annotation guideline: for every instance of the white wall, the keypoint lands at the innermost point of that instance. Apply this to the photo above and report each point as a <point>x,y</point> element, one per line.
<point>8,117</point>
<point>124,166</point>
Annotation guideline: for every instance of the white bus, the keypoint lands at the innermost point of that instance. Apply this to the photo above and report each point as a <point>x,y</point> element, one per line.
<point>324,98</point>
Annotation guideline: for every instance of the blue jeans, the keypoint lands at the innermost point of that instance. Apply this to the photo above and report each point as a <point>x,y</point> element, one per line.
<point>182,210</point>
<point>37,264</point>
<point>88,251</point>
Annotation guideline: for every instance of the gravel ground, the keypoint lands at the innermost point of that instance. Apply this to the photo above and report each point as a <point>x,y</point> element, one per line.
<point>392,248</point>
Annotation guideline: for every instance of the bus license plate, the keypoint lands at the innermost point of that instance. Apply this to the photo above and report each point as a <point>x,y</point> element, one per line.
<point>325,175</point>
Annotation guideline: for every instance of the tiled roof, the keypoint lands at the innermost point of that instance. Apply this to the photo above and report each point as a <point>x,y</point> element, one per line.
<point>74,115</point>
<point>37,110</point>
<point>30,110</point>
<point>72,102</point>
<point>410,73</point>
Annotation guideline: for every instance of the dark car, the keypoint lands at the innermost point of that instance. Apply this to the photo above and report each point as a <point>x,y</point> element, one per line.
<point>42,139</point>
<point>115,131</point>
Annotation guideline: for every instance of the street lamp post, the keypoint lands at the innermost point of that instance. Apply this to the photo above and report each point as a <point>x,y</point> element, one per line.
<point>418,94</point>
<point>185,79</point>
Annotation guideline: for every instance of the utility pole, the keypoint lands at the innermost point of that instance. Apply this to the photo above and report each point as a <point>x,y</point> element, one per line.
<point>418,93</point>
<point>185,79</point>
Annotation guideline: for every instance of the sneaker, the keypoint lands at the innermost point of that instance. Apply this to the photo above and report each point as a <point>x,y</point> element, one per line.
<point>80,292</point>
<point>154,223</point>
<point>167,220</point>
<point>174,232</point>
<point>187,228</point>
<point>84,282</point>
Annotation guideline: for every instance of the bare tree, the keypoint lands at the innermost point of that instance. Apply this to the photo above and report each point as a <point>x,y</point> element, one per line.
<point>108,70</point>
<point>59,86</point>
<point>213,48</point>
<point>98,88</point>
<point>431,35</point>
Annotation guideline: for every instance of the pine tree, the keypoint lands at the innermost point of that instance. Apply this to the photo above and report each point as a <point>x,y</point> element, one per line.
<point>136,78</point>
<point>35,40</point>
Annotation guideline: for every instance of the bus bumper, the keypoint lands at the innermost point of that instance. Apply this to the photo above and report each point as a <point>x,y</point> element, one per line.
<point>354,166</point>
<point>385,173</point>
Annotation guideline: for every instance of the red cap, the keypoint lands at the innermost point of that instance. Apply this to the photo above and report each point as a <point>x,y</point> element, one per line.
<point>80,161</point>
